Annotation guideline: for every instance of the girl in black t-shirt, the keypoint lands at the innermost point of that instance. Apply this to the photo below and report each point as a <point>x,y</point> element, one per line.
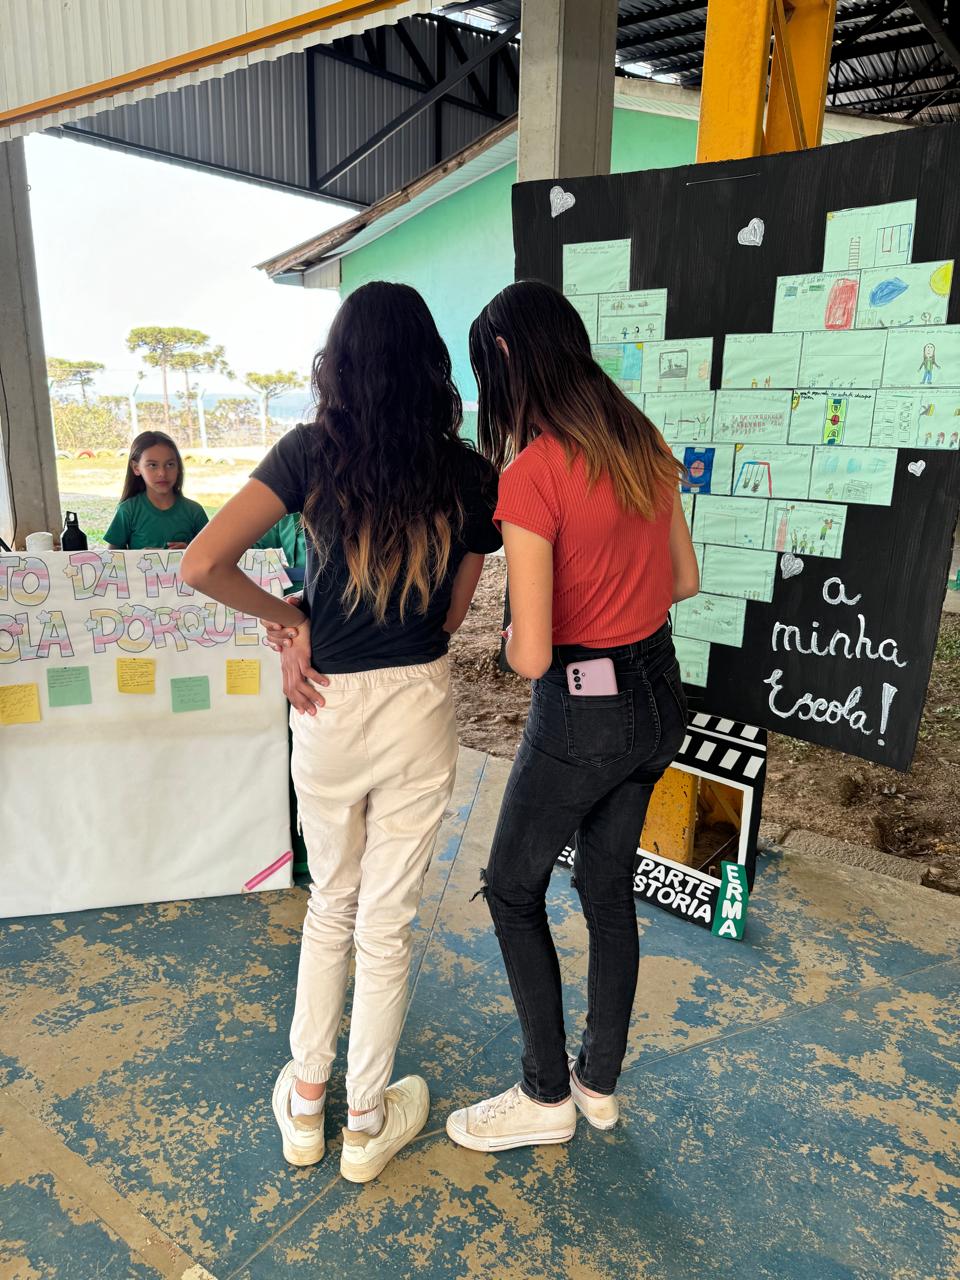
<point>398,512</point>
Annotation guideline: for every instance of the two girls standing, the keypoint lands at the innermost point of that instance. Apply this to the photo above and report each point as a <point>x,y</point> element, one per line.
<point>400,514</point>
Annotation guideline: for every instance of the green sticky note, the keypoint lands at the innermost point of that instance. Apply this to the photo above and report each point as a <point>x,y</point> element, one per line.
<point>190,693</point>
<point>68,686</point>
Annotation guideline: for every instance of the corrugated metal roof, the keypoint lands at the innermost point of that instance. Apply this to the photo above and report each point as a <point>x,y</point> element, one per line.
<point>48,47</point>
<point>488,155</point>
<point>291,120</point>
<point>884,61</point>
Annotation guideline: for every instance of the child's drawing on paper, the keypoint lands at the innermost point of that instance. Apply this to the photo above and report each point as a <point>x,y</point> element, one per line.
<point>929,362</point>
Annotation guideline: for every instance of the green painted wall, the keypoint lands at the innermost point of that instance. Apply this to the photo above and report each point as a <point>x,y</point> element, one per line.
<point>459,252</point>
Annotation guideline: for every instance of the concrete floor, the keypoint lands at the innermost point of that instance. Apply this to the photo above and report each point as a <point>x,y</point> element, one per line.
<point>791,1102</point>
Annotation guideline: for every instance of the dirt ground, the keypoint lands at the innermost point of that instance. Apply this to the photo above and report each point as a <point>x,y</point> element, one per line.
<point>914,815</point>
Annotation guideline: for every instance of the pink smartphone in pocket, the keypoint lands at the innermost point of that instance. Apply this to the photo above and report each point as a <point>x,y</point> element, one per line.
<point>592,678</point>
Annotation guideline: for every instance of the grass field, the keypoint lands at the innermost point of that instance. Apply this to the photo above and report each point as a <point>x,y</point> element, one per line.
<point>91,486</point>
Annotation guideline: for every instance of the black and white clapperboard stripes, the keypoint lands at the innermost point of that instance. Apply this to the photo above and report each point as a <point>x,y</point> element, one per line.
<point>724,751</point>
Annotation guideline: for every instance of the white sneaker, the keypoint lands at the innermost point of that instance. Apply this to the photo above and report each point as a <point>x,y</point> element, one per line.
<point>602,1113</point>
<point>406,1105</point>
<point>303,1141</point>
<point>511,1120</point>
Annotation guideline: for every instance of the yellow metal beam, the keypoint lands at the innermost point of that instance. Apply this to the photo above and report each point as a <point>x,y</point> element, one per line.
<point>736,58</point>
<point>798,79</point>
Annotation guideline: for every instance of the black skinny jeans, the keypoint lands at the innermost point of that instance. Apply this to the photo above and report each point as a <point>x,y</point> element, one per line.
<point>585,766</point>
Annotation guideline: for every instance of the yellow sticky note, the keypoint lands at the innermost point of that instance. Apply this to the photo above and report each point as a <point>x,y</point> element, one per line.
<point>243,675</point>
<point>136,675</point>
<point>19,704</point>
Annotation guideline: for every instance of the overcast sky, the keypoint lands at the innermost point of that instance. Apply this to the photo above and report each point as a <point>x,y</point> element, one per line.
<point>123,241</point>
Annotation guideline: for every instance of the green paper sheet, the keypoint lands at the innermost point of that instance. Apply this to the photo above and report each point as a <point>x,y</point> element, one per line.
<point>879,235</point>
<point>730,521</point>
<point>586,304</point>
<point>715,472</point>
<point>828,417</point>
<point>598,266</point>
<point>684,416</point>
<point>715,618</point>
<point>761,361</point>
<point>853,475</point>
<point>927,357</point>
<point>69,687</point>
<point>694,659</point>
<point>637,316</point>
<point>678,364</point>
<point>821,300</point>
<point>772,471</point>
<point>190,693</point>
<point>623,362</point>
<point>686,502</point>
<point>848,358</point>
<point>805,528</point>
<point>732,571</point>
<point>915,294</point>
<point>917,419</point>
<point>752,416</point>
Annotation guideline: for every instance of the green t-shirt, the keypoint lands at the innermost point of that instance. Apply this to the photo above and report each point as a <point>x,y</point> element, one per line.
<point>139,525</point>
<point>287,533</point>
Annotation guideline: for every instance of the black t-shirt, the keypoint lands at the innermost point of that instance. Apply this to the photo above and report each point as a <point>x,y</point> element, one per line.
<point>343,642</point>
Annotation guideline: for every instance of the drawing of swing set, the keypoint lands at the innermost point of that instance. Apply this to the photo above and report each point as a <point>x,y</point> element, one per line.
<point>755,475</point>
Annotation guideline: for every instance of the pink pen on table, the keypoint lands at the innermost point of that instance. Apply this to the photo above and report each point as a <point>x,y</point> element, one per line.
<point>267,872</point>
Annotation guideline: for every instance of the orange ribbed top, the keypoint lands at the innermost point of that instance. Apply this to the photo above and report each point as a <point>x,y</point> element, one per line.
<point>612,574</point>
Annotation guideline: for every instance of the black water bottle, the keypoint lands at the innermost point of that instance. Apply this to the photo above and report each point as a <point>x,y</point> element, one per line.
<point>73,538</point>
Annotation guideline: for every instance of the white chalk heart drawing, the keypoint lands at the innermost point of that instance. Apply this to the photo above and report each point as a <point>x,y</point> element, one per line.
<point>752,233</point>
<point>560,201</point>
<point>790,565</point>
<point>916,468</point>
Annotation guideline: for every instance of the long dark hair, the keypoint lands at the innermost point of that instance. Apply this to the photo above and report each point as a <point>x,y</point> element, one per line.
<point>134,484</point>
<point>548,381</point>
<point>385,441</point>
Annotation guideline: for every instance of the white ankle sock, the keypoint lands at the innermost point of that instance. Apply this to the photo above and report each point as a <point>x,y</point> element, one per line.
<point>301,1106</point>
<point>370,1121</point>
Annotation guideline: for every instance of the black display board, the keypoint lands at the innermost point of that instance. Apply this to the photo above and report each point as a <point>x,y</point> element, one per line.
<point>683,225</point>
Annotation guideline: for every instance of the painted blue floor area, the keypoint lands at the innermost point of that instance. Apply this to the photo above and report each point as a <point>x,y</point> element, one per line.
<point>790,1102</point>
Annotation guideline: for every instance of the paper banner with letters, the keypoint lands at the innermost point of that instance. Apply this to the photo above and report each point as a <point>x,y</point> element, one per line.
<point>132,771</point>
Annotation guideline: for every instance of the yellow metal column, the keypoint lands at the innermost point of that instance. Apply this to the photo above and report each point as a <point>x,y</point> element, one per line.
<point>736,57</point>
<point>798,78</point>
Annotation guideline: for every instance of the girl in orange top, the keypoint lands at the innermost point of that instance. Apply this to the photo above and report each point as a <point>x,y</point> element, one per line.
<point>597,551</point>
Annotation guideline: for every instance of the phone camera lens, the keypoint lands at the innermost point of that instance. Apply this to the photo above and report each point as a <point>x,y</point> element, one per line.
<point>575,671</point>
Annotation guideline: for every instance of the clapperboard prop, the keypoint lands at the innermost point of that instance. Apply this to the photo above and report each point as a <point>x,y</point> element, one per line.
<point>735,755</point>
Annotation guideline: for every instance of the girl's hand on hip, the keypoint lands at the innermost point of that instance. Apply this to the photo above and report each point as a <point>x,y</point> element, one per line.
<point>296,665</point>
<point>278,636</point>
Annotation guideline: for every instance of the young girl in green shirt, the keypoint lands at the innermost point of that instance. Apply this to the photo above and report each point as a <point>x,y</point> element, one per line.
<point>153,513</point>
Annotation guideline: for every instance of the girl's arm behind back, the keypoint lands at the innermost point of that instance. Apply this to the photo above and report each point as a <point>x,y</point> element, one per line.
<point>686,571</point>
<point>530,583</point>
